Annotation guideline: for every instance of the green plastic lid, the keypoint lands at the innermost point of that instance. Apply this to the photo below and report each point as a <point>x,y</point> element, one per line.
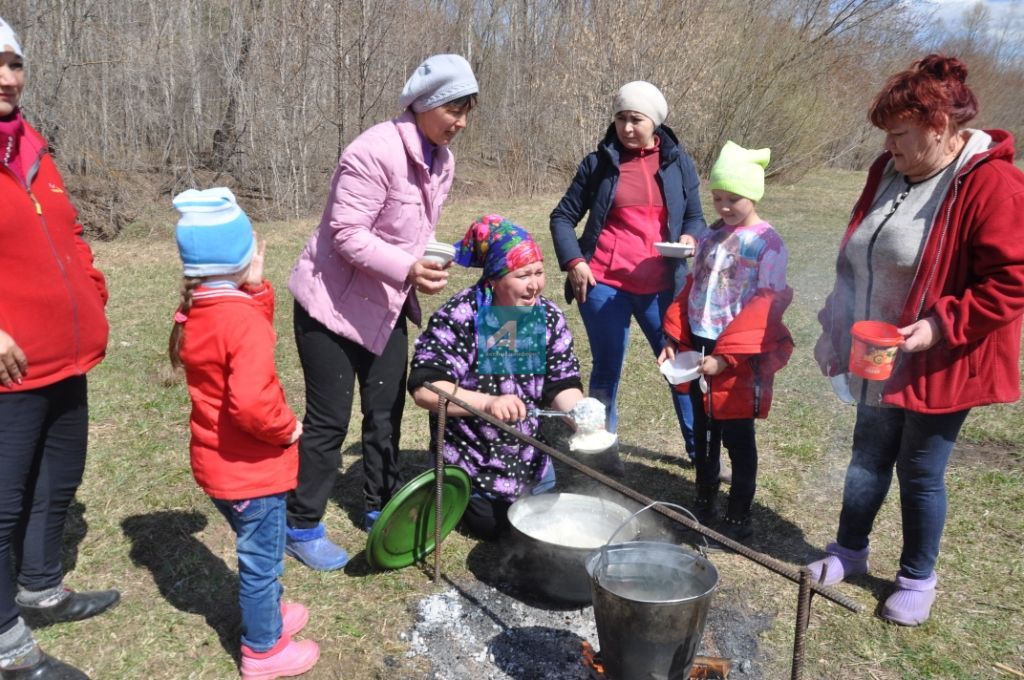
<point>404,532</point>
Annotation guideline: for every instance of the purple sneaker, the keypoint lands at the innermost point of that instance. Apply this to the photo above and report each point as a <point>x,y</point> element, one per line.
<point>842,563</point>
<point>911,603</point>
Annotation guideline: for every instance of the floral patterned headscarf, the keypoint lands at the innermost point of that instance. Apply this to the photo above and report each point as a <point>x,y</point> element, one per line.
<point>497,245</point>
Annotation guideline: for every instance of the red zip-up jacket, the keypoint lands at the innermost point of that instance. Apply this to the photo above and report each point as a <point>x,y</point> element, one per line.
<point>970,280</point>
<point>755,345</point>
<point>240,420</point>
<point>53,298</point>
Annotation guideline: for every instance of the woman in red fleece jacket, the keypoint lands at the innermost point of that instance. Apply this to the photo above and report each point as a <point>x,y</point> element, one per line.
<point>934,247</point>
<point>53,330</point>
<point>243,449</point>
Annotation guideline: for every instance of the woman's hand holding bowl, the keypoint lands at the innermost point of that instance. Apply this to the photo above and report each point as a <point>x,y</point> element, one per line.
<point>428,276</point>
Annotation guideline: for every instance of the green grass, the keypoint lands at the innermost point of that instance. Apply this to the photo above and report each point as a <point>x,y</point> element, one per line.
<point>142,525</point>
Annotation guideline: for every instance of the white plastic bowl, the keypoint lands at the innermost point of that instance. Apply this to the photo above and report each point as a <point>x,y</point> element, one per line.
<point>681,369</point>
<point>676,250</point>
<point>442,253</point>
<point>593,442</point>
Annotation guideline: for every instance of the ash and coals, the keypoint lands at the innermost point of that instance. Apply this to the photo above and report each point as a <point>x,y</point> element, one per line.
<point>473,631</point>
<point>483,634</point>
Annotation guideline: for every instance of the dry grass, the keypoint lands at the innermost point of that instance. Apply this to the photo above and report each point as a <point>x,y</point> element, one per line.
<point>142,524</point>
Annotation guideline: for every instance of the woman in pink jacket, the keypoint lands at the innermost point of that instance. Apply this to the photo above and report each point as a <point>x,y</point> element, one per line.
<point>355,289</point>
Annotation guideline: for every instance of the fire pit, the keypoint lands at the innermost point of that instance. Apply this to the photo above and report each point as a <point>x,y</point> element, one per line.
<point>473,631</point>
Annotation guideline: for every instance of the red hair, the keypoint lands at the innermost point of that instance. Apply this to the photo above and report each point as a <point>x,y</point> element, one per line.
<point>931,93</point>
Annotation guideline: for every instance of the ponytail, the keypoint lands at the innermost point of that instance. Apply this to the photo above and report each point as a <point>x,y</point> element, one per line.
<point>188,286</point>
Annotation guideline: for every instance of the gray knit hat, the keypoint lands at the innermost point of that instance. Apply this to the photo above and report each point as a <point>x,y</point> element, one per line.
<point>438,80</point>
<point>642,97</point>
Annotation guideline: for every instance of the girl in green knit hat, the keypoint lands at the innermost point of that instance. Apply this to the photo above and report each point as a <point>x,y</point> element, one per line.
<point>730,311</point>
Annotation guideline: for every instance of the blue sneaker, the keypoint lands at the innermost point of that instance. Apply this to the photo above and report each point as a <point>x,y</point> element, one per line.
<point>371,519</point>
<point>314,549</point>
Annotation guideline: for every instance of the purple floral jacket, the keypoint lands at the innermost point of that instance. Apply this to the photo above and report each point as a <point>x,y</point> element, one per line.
<point>499,464</point>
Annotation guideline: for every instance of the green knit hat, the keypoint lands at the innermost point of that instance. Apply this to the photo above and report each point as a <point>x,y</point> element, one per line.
<point>740,171</point>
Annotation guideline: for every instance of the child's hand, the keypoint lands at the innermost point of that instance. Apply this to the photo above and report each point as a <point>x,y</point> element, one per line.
<point>713,365</point>
<point>687,240</point>
<point>255,275</point>
<point>668,352</point>
<point>296,433</point>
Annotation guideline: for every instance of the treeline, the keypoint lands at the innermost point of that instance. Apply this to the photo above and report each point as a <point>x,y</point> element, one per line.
<point>143,98</point>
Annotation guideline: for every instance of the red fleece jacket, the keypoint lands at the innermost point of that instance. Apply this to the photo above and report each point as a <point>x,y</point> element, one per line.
<point>240,421</point>
<point>755,345</point>
<point>53,297</point>
<point>970,280</point>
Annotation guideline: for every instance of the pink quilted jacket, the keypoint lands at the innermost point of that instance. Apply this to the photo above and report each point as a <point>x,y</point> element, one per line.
<point>382,210</point>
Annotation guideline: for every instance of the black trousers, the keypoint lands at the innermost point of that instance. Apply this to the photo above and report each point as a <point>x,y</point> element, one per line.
<point>43,440</point>
<point>331,365</point>
<point>710,433</point>
<point>486,518</point>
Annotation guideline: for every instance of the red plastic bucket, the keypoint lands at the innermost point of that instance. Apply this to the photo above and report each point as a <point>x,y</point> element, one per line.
<point>874,348</point>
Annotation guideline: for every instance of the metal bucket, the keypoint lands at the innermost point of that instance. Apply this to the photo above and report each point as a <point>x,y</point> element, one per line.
<point>554,534</point>
<point>650,604</point>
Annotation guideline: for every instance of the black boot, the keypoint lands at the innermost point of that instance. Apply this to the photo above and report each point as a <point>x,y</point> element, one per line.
<point>74,607</point>
<point>705,507</point>
<point>39,665</point>
<point>737,525</point>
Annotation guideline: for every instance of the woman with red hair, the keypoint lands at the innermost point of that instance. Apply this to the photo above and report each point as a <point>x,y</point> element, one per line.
<point>934,247</point>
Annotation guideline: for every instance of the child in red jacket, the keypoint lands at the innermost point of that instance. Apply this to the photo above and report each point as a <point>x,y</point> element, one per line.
<point>731,312</point>
<point>243,448</point>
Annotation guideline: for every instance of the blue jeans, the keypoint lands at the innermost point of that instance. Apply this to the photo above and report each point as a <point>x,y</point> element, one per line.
<point>918,445</point>
<point>43,439</point>
<point>259,524</point>
<point>607,315</point>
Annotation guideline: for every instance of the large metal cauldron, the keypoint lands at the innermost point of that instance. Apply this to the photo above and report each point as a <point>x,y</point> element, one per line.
<point>554,533</point>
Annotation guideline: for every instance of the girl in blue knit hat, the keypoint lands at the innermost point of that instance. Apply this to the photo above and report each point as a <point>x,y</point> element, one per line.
<point>243,447</point>
<point>730,311</point>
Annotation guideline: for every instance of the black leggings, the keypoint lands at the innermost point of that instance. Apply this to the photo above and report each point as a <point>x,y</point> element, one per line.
<point>331,365</point>
<point>43,438</point>
<point>710,433</point>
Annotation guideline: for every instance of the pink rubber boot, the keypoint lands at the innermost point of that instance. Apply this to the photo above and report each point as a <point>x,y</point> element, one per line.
<point>911,603</point>
<point>284,660</point>
<point>293,618</point>
<point>842,564</point>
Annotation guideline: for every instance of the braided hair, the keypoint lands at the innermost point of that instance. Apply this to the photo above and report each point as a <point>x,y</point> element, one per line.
<point>188,287</point>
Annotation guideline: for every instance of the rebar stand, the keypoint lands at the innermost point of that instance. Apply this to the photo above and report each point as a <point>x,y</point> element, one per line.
<point>802,577</point>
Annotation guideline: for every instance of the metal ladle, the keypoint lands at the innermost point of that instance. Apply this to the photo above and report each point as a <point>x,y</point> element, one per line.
<point>534,412</point>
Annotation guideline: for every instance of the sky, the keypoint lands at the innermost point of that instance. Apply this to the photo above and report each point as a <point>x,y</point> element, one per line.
<point>1006,17</point>
<point>951,11</point>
